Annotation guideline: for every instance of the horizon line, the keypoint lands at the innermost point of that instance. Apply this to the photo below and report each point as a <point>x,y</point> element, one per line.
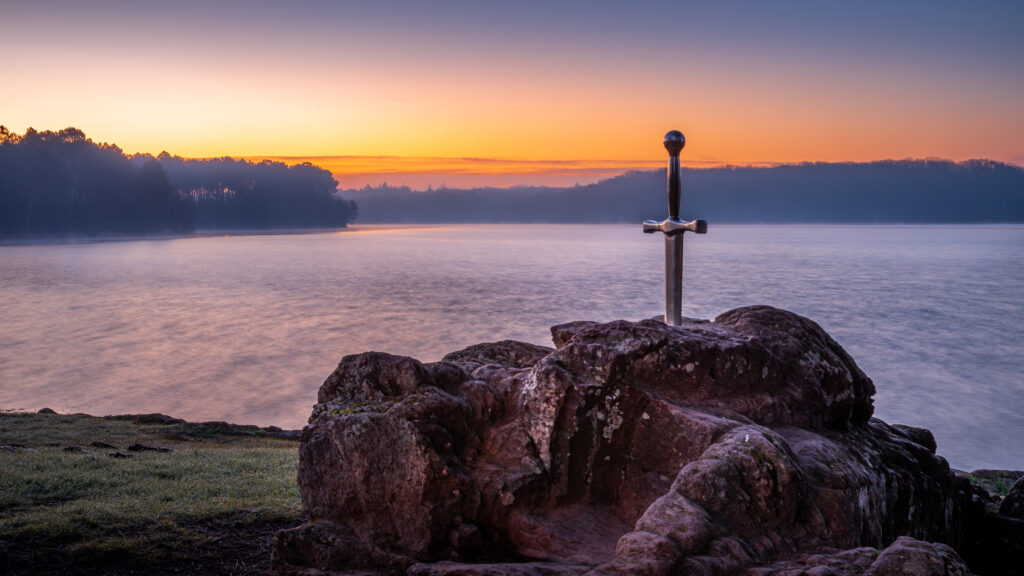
<point>355,172</point>
<point>631,164</point>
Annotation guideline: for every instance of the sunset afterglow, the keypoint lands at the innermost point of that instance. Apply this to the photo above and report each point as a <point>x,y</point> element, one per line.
<point>474,93</point>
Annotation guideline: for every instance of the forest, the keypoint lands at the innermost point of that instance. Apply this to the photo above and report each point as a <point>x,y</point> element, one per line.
<point>888,191</point>
<point>62,184</point>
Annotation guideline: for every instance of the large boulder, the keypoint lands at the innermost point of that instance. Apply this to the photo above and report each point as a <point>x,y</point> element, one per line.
<point>739,446</point>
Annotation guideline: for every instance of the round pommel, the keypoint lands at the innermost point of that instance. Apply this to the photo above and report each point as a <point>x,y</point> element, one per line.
<point>674,142</point>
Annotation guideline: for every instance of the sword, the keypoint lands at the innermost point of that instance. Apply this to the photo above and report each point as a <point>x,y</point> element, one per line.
<point>673,228</point>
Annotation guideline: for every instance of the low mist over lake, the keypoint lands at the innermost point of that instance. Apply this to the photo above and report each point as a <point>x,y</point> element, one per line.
<point>245,328</point>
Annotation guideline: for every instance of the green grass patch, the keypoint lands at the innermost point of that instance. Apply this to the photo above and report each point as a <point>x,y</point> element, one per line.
<point>1001,487</point>
<point>996,482</point>
<point>208,506</point>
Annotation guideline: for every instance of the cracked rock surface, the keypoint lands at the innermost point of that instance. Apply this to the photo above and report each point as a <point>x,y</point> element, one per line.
<point>739,446</point>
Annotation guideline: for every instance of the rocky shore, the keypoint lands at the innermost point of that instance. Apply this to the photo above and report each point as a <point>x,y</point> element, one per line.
<point>745,445</point>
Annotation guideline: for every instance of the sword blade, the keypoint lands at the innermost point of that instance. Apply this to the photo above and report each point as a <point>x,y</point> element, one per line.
<point>674,280</point>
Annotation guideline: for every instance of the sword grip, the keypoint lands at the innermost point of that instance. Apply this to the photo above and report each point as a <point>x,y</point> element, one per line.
<point>674,143</point>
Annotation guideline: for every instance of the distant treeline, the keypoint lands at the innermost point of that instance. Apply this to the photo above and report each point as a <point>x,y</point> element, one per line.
<point>908,191</point>
<point>61,184</point>
<point>238,194</point>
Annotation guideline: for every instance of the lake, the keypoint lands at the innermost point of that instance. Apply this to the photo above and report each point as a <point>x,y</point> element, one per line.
<point>245,328</point>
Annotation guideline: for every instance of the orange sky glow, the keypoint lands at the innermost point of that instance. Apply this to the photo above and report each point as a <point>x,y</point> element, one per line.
<point>467,95</point>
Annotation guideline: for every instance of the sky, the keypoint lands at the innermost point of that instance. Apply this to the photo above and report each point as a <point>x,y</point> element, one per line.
<point>524,92</point>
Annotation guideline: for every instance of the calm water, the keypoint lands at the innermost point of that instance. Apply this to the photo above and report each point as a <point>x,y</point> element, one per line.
<point>245,328</point>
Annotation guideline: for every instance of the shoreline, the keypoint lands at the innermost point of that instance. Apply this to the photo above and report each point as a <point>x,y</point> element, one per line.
<point>207,426</point>
<point>202,233</point>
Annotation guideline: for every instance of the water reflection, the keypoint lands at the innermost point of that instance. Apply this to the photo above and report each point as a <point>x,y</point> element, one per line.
<point>245,328</point>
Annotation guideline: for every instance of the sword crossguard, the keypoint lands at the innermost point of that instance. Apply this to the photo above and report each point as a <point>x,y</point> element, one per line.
<point>673,226</point>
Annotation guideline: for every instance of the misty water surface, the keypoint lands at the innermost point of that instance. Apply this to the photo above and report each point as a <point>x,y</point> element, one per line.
<point>245,328</point>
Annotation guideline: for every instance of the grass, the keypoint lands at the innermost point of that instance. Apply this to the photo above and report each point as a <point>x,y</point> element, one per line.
<point>996,482</point>
<point>209,506</point>
<point>1001,487</point>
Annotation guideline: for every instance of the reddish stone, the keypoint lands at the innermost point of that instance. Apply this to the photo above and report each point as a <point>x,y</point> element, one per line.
<point>743,445</point>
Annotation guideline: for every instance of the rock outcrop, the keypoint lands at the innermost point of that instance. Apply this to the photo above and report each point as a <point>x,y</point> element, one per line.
<point>740,446</point>
<point>1013,504</point>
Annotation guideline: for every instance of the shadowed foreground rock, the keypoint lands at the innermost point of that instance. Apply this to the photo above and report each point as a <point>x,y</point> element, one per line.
<point>742,446</point>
